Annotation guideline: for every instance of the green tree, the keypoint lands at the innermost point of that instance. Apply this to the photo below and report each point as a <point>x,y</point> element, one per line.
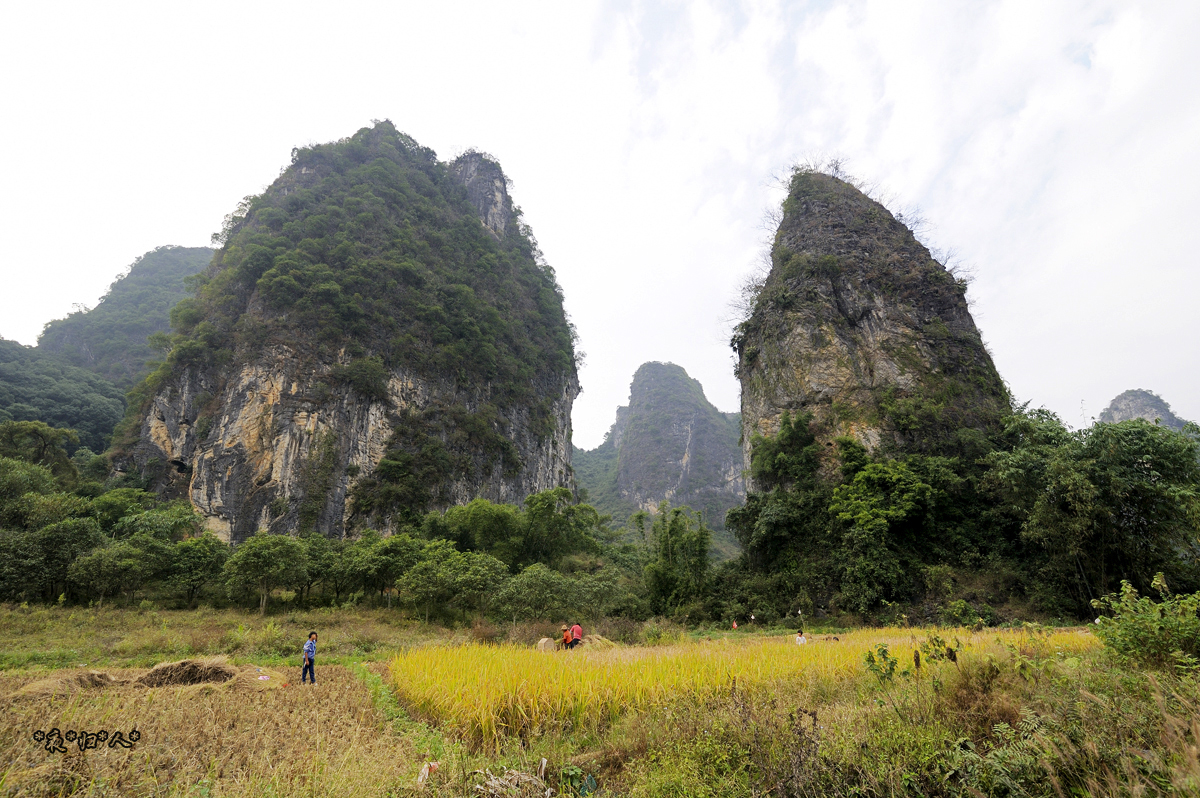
<point>18,479</point>
<point>445,578</point>
<point>60,544</point>
<point>882,510</point>
<point>536,592</point>
<point>679,571</point>
<point>554,528</point>
<point>41,444</point>
<point>196,562</point>
<point>433,580</point>
<point>123,566</point>
<point>320,559</point>
<point>1100,505</point>
<point>495,529</point>
<point>36,510</point>
<point>170,522</point>
<point>480,578</point>
<point>264,562</point>
<point>22,566</point>
<point>114,505</point>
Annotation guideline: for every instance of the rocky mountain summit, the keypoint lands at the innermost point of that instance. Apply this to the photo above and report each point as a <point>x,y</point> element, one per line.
<point>669,444</point>
<point>376,337</point>
<point>858,325</point>
<point>1138,403</point>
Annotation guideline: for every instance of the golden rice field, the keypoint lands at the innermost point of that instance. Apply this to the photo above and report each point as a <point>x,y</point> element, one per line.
<point>482,693</point>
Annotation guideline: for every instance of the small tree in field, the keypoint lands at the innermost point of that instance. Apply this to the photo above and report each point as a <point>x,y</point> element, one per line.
<point>263,563</point>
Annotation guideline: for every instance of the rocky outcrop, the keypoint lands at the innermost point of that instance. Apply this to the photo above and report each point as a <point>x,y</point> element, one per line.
<point>1144,404</point>
<point>487,188</point>
<point>860,327</point>
<point>284,432</point>
<point>669,444</point>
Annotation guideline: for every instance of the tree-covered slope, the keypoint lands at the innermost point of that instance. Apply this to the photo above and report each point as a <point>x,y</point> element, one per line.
<point>373,244</point>
<point>111,338</point>
<point>34,387</point>
<point>669,444</point>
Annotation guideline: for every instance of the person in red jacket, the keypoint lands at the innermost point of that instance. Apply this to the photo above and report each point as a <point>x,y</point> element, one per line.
<point>576,635</point>
<point>566,637</point>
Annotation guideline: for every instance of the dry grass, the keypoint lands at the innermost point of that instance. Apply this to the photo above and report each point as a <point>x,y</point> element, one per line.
<point>326,741</point>
<point>53,637</point>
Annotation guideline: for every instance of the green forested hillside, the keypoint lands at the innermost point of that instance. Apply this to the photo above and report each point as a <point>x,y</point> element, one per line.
<point>34,387</point>
<point>110,339</point>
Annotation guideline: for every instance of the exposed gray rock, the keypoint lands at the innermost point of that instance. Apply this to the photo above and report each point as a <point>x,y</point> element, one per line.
<point>487,189</point>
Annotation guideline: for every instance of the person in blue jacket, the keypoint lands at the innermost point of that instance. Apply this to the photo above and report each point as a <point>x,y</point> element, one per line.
<point>310,654</point>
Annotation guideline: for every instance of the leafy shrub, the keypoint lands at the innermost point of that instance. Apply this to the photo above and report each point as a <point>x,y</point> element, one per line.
<point>1158,633</point>
<point>960,613</point>
<point>366,375</point>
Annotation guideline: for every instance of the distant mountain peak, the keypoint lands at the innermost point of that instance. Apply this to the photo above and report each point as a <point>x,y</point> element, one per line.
<point>668,444</point>
<point>1140,403</point>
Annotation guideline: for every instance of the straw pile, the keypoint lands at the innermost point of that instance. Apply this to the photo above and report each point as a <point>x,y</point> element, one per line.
<point>187,672</point>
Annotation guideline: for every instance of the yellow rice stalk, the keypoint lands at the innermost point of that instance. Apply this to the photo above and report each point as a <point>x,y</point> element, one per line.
<point>484,692</point>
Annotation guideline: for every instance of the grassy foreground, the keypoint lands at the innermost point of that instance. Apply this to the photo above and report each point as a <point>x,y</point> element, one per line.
<point>997,713</point>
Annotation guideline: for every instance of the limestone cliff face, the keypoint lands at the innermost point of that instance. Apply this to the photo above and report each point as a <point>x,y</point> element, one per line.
<point>669,444</point>
<point>858,325</point>
<point>282,444</point>
<point>286,433</point>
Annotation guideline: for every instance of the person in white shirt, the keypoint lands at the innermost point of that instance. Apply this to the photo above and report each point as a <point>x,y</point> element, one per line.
<point>800,638</point>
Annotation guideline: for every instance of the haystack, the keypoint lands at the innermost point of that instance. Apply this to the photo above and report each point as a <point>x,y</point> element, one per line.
<point>187,671</point>
<point>598,642</point>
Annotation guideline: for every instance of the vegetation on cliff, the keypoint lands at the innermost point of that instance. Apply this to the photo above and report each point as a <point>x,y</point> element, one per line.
<point>371,243</point>
<point>113,338</point>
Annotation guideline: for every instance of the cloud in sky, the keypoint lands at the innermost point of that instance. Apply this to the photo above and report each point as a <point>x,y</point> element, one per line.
<point>1052,145</point>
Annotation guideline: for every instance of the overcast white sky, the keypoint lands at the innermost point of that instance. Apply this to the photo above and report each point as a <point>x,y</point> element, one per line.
<point>1055,146</point>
